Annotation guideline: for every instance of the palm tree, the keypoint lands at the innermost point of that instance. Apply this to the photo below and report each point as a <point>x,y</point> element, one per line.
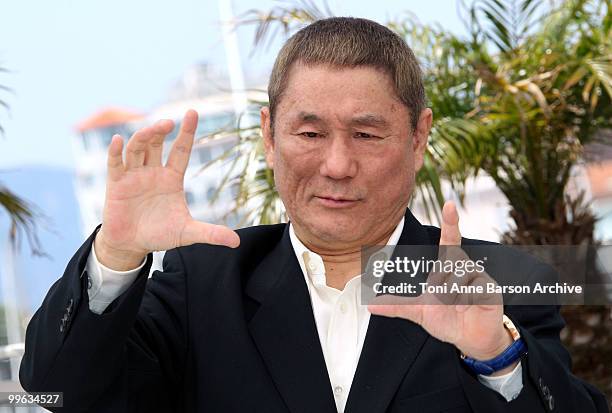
<point>518,98</point>
<point>257,199</point>
<point>538,94</point>
<point>541,96</point>
<point>22,215</point>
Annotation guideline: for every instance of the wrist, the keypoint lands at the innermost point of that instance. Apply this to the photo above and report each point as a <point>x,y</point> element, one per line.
<point>114,258</point>
<point>502,341</point>
<point>502,362</point>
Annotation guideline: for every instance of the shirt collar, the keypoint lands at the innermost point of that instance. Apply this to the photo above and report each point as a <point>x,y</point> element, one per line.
<point>311,263</point>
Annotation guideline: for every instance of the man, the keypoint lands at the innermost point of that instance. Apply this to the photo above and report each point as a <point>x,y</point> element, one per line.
<point>268,318</point>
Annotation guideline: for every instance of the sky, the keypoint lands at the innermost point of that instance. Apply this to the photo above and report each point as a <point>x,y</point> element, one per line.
<point>66,59</point>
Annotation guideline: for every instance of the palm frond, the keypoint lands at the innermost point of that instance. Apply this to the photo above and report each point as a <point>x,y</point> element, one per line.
<point>505,23</point>
<point>288,17</point>
<point>2,102</point>
<point>601,72</point>
<point>23,216</point>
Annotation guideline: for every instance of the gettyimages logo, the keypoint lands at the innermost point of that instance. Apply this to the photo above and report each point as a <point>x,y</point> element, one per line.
<point>411,267</point>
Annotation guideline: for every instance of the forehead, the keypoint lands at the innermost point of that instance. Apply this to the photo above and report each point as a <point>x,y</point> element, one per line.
<point>316,92</point>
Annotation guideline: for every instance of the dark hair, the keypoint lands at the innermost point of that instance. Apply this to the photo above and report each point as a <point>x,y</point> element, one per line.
<point>351,42</point>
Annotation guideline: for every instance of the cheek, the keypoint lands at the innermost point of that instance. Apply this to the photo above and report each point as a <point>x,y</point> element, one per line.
<point>393,174</point>
<point>291,168</point>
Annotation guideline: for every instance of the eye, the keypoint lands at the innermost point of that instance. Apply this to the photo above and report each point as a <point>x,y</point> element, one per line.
<point>310,134</point>
<point>364,135</point>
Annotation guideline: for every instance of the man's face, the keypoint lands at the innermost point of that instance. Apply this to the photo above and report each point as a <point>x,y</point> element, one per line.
<point>343,153</point>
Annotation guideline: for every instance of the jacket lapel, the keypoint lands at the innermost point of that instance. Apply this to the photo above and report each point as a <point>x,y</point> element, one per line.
<point>391,345</point>
<point>285,333</point>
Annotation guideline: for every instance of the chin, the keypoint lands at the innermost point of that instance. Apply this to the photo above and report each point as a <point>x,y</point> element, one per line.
<point>329,225</point>
<point>334,231</point>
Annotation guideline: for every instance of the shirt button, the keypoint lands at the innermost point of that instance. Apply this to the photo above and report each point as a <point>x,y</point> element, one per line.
<point>343,308</point>
<point>338,390</point>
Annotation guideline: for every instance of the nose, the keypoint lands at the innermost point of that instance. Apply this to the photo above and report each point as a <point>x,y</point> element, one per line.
<point>339,161</point>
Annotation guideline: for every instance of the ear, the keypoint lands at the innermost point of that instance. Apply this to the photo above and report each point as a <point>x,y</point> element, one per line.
<point>266,132</point>
<point>420,136</point>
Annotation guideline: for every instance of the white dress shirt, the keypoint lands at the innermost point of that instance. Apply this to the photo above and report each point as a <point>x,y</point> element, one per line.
<point>341,320</point>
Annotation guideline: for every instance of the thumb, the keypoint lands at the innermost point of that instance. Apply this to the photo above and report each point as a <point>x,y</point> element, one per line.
<point>450,234</point>
<point>202,232</point>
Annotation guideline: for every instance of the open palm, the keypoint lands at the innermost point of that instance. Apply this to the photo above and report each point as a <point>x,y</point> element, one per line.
<point>145,208</point>
<point>474,328</point>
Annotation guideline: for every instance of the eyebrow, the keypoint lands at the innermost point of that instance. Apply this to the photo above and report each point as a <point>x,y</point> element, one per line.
<point>367,119</point>
<point>370,119</point>
<point>308,117</point>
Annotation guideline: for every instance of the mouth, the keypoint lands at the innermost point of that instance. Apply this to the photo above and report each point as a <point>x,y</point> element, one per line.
<point>336,202</point>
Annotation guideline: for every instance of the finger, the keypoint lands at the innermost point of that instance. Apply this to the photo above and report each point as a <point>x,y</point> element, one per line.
<point>455,279</point>
<point>466,285</point>
<point>488,298</point>
<point>136,147</point>
<point>478,293</point>
<point>390,305</point>
<point>394,300</point>
<point>202,232</point>
<point>161,129</point>
<point>412,312</point>
<point>114,162</point>
<point>450,234</point>
<point>387,310</point>
<point>178,159</point>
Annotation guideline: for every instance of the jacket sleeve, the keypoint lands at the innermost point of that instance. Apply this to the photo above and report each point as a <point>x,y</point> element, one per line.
<point>129,358</point>
<point>548,384</point>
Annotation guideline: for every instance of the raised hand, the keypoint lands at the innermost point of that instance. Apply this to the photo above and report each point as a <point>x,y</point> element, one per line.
<point>145,208</point>
<point>476,329</point>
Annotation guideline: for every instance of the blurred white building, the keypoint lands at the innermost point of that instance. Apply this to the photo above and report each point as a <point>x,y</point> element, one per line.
<point>599,173</point>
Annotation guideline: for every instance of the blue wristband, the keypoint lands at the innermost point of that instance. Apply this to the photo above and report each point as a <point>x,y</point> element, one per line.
<point>514,352</point>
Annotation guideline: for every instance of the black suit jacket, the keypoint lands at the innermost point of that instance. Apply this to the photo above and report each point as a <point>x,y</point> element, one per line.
<point>232,330</point>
